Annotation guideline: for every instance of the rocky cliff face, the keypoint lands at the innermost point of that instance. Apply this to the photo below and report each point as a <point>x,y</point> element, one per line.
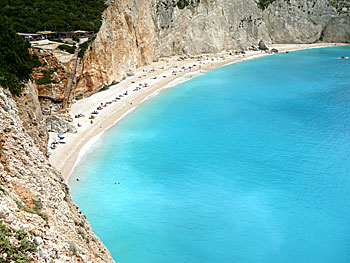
<point>32,117</point>
<point>209,26</point>
<point>38,219</point>
<point>337,29</point>
<point>300,21</point>
<point>126,40</point>
<point>134,33</point>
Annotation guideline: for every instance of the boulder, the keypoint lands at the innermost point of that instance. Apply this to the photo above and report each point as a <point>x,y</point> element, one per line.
<point>262,45</point>
<point>274,50</point>
<point>55,124</point>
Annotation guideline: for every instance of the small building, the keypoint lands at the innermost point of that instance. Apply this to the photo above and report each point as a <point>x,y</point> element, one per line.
<point>31,36</point>
<point>82,33</point>
<point>50,35</point>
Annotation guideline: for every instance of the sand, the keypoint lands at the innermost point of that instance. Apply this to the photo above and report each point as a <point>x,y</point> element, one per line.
<point>158,75</point>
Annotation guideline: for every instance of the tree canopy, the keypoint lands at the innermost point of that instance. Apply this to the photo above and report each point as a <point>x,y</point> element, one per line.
<point>16,63</point>
<point>29,16</point>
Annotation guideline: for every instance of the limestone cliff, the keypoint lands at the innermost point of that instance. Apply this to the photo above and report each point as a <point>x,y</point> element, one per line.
<point>134,33</point>
<point>209,27</point>
<point>32,117</point>
<point>38,219</point>
<point>126,40</point>
<point>300,21</point>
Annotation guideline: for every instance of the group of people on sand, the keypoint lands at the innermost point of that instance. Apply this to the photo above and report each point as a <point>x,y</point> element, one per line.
<point>101,107</point>
<point>79,116</point>
<point>55,143</point>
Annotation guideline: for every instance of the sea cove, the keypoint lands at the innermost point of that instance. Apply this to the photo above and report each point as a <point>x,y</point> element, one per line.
<point>247,163</point>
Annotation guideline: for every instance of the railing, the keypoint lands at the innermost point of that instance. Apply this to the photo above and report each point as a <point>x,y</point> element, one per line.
<point>72,80</point>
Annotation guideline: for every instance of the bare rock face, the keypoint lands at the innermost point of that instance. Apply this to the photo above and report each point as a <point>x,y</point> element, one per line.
<point>35,202</point>
<point>262,45</point>
<point>135,33</point>
<point>127,40</point>
<point>298,21</point>
<point>56,124</point>
<point>337,29</point>
<point>209,27</point>
<point>31,116</point>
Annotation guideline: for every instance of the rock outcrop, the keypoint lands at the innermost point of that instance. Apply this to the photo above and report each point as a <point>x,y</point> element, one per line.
<point>209,26</point>
<point>37,215</point>
<point>262,45</point>
<point>32,117</point>
<point>126,40</point>
<point>337,29</point>
<point>299,21</point>
<point>56,124</point>
<point>135,33</point>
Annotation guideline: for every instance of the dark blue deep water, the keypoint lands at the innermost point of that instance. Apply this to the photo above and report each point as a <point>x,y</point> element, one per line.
<point>248,163</point>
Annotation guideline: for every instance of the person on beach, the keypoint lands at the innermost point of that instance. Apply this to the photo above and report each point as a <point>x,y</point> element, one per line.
<point>91,122</point>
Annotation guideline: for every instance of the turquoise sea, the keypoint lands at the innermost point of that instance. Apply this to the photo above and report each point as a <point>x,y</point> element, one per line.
<point>247,163</point>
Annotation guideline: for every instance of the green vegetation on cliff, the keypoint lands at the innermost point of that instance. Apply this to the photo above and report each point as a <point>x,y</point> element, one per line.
<point>16,246</point>
<point>55,15</point>
<point>15,61</point>
<point>69,49</point>
<point>83,47</point>
<point>263,4</point>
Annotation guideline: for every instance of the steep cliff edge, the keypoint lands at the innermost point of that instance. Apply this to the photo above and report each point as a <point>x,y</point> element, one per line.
<point>134,33</point>
<point>299,21</point>
<point>32,117</point>
<point>38,219</point>
<point>209,27</point>
<point>126,40</point>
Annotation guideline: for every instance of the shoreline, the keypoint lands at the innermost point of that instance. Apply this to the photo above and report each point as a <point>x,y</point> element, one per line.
<point>159,76</point>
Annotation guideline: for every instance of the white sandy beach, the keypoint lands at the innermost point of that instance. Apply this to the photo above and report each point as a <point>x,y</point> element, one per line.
<point>158,75</point>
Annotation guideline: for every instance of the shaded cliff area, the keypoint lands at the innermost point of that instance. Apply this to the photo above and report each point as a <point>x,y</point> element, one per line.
<point>38,220</point>
<point>134,33</point>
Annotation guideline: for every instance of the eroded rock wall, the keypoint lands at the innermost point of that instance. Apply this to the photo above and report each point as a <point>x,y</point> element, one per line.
<point>209,26</point>
<point>34,200</point>
<point>32,117</point>
<point>337,29</point>
<point>300,21</point>
<point>127,39</point>
<point>135,33</point>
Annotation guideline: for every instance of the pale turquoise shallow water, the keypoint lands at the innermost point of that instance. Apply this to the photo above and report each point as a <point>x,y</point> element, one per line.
<point>247,163</point>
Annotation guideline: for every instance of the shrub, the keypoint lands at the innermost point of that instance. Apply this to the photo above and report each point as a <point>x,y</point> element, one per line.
<point>73,248</point>
<point>15,61</point>
<point>69,49</point>
<point>263,4</point>
<point>83,47</point>
<point>58,15</point>
<point>35,61</point>
<point>181,4</point>
<point>59,40</point>
<point>46,79</point>
<point>16,252</point>
<point>75,38</point>
<point>36,210</point>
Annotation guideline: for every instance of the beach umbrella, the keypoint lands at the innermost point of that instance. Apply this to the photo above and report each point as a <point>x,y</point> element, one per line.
<point>59,134</point>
